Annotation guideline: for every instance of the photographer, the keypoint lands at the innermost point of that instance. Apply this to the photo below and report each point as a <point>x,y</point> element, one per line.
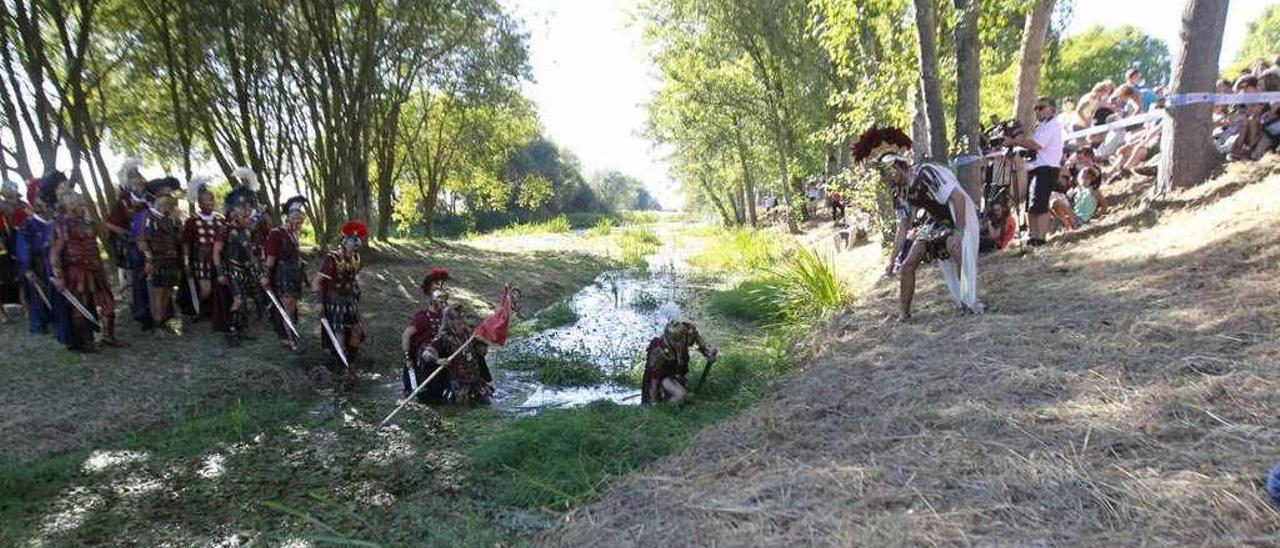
<point>1046,142</point>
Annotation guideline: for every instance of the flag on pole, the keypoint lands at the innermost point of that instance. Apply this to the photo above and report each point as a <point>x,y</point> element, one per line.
<point>494,329</point>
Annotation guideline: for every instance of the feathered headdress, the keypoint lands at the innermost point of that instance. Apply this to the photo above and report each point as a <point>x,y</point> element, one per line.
<point>670,312</point>
<point>295,204</point>
<point>50,185</point>
<point>355,229</point>
<point>246,177</point>
<point>436,277</point>
<point>238,196</point>
<point>154,186</point>
<point>878,142</point>
<point>197,186</point>
<point>128,170</point>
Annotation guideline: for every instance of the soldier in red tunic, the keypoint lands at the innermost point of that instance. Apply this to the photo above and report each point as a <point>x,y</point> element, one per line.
<point>131,198</point>
<point>284,270</point>
<point>159,240</point>
<point>198,235</point>
<point>339,289</point>
<point>12,215</point>
<point>423,328</point>
<point>667,363</point>
<point>76,267</point>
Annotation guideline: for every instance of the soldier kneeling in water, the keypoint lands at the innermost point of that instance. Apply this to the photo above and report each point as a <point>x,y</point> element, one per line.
<point>667,363</point>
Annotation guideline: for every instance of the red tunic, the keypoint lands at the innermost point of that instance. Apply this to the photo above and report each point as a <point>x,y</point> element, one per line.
<point>198,234</point>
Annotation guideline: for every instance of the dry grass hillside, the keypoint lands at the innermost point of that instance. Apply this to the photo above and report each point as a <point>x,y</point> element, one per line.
<point>1122,390</point>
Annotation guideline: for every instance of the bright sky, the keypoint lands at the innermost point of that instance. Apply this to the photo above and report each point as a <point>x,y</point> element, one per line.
<point>593,77</point>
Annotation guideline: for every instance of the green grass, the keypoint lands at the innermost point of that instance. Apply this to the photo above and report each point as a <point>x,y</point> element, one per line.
<point>645,301</point>
<point>554,367</point>
<point>809,287</point>
<point>753,300</point>
<point>638,217</point>
<point>556,225</point>
<point>602,228</point>
<point>557,315</point>
<point>559,459</point>
<point>636,245</point>
<point>741,250</point>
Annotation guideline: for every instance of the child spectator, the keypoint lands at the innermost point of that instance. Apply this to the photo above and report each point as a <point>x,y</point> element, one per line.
<point>998,229</point>
<point>1087,201</point>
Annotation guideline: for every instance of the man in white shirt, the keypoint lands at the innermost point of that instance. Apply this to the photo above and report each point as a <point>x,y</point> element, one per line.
<point>1042,176</point>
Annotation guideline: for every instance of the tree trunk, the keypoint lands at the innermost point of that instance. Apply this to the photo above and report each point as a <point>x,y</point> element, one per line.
<point>968,95</point>
<point>930,83</point>
<point>1028,81</point>
<point>1186,157</point>
<point>919,125</point>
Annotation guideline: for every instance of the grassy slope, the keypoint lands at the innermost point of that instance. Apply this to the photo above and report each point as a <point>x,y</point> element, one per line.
<point>181,400</point>
<point>1120,391</point>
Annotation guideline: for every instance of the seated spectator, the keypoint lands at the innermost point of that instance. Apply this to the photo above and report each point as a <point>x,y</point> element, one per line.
<point>1097,97</point>
<point>1068,118</point>
<point>1060,205</point>
<point>1082,158</point>
<point>1087,201</point>
<point>1133,77</point>
<point>1126,101</point>
<point>998,229</point>
<point>1139,147</point>
<point>1250,141</point>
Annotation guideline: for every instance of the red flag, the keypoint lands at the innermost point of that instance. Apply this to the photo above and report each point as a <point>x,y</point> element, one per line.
<point>494,329</point>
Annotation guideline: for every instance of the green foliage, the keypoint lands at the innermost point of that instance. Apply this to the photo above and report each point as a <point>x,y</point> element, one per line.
<point>557,315</point>
<point>753,300</point>
<point>555,367</point>
<point>808,286</point>
<point>602,228</point>
<point>645,301</point>
<point>556,225</point>
<point>619,191</point>
<point>633,218</point>
<point>741,249</point>
<point>1261,42</point>
<point>636,244</point>
<point>560,458</point>
<point>1099,54</point>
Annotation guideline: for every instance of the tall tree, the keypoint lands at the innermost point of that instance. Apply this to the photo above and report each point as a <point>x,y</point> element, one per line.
<point>930,80</point>
<point>969,94</point>
<point>1186,158</point>
<point>1029,61</point>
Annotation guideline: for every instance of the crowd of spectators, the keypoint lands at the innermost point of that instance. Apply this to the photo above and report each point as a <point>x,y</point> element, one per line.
<point>1066,173</point>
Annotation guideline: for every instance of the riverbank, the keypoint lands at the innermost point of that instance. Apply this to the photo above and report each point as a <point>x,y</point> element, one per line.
<point>223,456</point>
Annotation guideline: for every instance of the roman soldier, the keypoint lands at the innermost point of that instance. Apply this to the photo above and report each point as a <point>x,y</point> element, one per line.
<point>237,264</point>
<point>423,328</point>
<point>11,214</point>
<point>339,289</point>
<point>130,199</point>
<point>932,208</point>
<point>285,275</point>
<point>198,235</point>
<point>463,358</point>
<point>157,234</point>
<point>76,268</point>
<point>666,365</point>
<point>35,237</point>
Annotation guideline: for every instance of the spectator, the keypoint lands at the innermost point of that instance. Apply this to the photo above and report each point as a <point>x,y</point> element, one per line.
<point>1133,77</point>
<point>836,202</point>
<point>1046,142</point>
<point>1126,101</point>
<point>1067,118</point>
<point>1250,140</point>
<point>1139,147</point>
<point>998,229</point>
<point>1060,205</point>
<point>1087,201</point>
<point>1090,102</point>
<point>1083,157</point>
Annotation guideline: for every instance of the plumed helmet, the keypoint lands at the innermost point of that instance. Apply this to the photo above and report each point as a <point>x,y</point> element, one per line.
<point>244,176</point>
<point>128,172</point>
<point>240,195</point>
<point>295,205</point>
<point>434,281</point>
<point>881,144</point>
<point>355,231</point>
<point>154,186</point>
<point>196,186</point>
<point>50,186</point>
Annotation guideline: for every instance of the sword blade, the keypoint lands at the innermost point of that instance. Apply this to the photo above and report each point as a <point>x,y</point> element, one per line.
<point>333,339</point>
<point>76,304</point>
<point>40,292</point>
<point>195,294</point>
<point>284,316</point>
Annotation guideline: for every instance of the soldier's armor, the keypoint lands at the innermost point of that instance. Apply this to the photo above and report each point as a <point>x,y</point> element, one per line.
<point>164,239</point>
<point>203,233</point>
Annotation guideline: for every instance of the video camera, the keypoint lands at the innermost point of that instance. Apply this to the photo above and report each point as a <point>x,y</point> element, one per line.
<point>997,137</point>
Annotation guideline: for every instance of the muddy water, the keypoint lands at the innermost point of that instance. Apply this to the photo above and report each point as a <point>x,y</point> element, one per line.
<point>617,316</point>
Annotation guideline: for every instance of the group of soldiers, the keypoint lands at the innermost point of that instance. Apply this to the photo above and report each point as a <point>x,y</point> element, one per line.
<point>213,265</point>
<point>234,265</point>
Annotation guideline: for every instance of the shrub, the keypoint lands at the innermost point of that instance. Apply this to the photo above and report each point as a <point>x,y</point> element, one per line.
<point>808,286</point>
<point>556,315</point>
<point>754,300</point>
<point>602,228</point>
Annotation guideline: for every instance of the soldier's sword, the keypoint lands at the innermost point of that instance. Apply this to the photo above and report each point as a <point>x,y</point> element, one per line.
<point>284,316</point>
<point>76,304</point>
<point>333,339</point>
<point>40,292</point>
<point>195,294</point>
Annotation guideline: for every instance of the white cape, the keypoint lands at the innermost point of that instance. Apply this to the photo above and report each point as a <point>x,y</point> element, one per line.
<point>962,285</point>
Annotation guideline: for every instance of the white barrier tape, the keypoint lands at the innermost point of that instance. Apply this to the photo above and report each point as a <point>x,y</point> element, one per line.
<point>1118,124</point>
<point>1182,99</point>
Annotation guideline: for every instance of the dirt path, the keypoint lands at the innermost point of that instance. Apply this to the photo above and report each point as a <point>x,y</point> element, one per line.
<point>1121,390</point>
